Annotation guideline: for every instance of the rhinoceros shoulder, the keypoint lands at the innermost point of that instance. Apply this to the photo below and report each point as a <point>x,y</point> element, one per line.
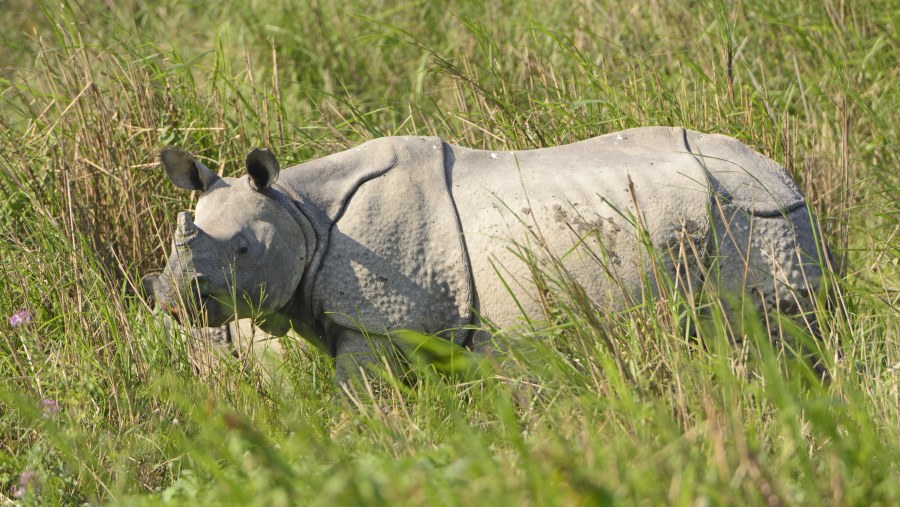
<point>394,257</point>
<point>330,182</point>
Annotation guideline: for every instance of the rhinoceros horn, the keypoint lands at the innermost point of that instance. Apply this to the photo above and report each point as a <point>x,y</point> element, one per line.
<point>185,230</point>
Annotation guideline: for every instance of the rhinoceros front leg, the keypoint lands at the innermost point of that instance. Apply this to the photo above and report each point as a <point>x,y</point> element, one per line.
<point>359,355</point>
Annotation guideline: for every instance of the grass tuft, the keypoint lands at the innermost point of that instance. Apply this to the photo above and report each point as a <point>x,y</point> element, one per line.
<point>664,402</point>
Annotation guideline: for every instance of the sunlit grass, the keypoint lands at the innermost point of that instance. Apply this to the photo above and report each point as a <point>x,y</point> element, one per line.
<point>650,405</point>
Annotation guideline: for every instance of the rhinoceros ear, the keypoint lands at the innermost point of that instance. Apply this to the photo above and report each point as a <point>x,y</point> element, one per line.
<point>262,168</point>
<point>185,171</point>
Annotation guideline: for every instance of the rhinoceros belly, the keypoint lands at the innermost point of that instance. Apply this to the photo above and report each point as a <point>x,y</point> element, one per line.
<point>576,213</point>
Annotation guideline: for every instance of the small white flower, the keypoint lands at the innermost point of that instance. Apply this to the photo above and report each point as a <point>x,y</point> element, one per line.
<point>494,155</point>
<point>619,137</point>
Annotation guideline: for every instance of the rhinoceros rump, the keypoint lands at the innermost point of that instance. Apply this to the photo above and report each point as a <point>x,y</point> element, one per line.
<point>414,233</point>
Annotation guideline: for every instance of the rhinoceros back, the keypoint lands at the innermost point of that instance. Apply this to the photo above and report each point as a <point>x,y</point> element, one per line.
<point>585,204</point>
<point>416,233</point>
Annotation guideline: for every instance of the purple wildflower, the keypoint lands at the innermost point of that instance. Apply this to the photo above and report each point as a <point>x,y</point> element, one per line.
<point>19,318</point>
<point>27,480</point>
<point>49,406</point>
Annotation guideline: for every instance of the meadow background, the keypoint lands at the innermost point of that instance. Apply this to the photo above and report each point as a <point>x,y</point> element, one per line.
<point>99,405</point>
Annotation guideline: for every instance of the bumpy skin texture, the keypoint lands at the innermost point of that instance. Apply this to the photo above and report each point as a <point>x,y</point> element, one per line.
<point>415,233</point>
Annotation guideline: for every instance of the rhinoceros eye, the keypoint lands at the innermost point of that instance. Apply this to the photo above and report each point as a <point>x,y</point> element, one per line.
<point>242,248</point>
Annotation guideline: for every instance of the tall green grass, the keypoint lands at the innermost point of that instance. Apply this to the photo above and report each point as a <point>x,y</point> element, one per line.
<point>614,408</point>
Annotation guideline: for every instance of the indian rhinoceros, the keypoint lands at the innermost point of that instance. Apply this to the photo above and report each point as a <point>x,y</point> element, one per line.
<point>415,233</point>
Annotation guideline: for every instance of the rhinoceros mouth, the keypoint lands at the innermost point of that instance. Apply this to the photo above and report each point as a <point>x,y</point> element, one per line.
<point>212,311</point>
<point>208,311</point>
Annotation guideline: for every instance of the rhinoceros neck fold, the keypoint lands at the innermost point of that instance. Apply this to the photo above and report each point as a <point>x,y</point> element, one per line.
<point>315,235</point>
<point>290,201</point>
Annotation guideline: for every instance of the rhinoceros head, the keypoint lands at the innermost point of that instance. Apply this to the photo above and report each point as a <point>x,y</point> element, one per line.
<point>241,253</point>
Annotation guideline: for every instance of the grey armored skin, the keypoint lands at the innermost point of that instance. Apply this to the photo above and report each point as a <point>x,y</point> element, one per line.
<point>415,233</point>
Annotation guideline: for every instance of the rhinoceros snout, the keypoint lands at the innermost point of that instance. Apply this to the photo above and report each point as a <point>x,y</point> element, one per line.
<point>175,292</point>
<point>196,297</point>
<point>194,289</point>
